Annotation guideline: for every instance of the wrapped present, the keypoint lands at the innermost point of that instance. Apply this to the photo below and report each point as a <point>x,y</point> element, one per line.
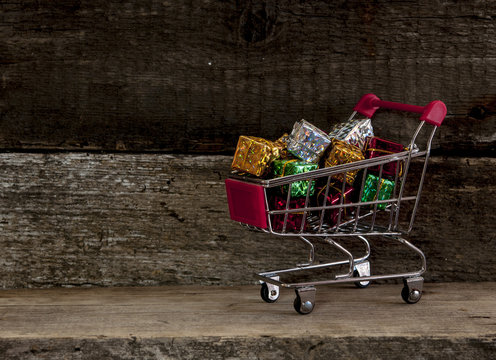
<point>287,167</point>
<point>378,147</point>
<point>354,132</point>
<point>294,220</point>
<point>282,145</point>
<point>334,195</point>
<point>307,142</point>
<point>373,192</point>
<point>253,155</point>
<point>343,153</point>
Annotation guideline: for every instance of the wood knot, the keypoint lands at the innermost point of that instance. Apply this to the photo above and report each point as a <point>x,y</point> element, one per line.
<point>257,22</point>
<point>478,112</point>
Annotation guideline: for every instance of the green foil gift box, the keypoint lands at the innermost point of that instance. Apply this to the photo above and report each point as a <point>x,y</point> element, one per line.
<point>372,192</point>
<point>287,167</point>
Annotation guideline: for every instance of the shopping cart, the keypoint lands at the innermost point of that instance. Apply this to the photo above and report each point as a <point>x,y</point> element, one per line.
<point>250,204</point>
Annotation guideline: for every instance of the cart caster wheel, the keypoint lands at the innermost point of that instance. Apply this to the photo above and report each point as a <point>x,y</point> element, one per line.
<point>362,269</point>
<point>412,290</point>
<point>410,297</point>
<point>303,308</point>
<point>360,284</point>
<point>269,293</point>
<point>304,303</point>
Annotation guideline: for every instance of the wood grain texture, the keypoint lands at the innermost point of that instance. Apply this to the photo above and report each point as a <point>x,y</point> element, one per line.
<point>192,322</point>
<point>193,76</point>
<point>77,219</point>
<point>260,348</point>
<point>194,311</point>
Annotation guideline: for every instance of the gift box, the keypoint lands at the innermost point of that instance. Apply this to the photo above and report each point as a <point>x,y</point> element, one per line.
<point>287,167</point>
<point>294,220</point>
<point>253,155</point>
<point>343,153</point>
<point>379,147</point>
<point>371,193</point>
<point>282,147</point>
<point>354,132</point>
<point>307,142</point>
<point>334,195</point>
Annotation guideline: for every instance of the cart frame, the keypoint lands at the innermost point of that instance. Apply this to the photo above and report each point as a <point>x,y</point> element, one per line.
<point>367,220</point>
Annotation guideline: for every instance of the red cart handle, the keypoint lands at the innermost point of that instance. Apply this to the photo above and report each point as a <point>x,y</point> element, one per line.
<point>433,113</point>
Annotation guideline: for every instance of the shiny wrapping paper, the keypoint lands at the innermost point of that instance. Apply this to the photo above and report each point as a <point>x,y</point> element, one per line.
<point>293,222</point>
<point>378,147</point>
<point>344,153</point>
<point>334,198</point>
<point>282,146</point>
<point>307,142</point>
<point>370,193</point>
<point>354,132</point>
<point>292,167</point>
<point>253,155</point>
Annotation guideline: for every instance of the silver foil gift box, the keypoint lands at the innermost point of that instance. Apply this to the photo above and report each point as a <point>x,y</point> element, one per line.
<point>353,132</point>
<point>307,142</point>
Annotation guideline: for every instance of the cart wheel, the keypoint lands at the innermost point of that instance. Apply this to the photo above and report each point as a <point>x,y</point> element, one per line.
<point>362,269</point>
<point>410,297</point>
<point>306,305</point>
<point>360,284</point>
<point>271,295</point>
<point>303,309</point>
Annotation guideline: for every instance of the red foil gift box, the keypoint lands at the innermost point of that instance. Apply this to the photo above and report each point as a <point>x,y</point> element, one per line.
<point>334,195</point>
<point>294,220</point>
<point>379,147</point>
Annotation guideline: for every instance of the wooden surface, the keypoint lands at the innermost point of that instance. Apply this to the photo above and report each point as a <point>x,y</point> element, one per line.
<point>77,219</point>
<point>167,321</point>
<point>193,76</point>
<point>259,348</point>
<point>445,310</point>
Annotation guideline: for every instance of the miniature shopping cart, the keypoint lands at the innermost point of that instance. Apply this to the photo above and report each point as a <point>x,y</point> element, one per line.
<point>389,219</point>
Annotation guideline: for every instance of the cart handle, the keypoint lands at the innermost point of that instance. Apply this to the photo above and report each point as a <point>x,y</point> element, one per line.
<point>433,113</point>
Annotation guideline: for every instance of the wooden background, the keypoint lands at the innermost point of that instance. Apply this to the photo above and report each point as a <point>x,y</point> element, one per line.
<point>118,121</point>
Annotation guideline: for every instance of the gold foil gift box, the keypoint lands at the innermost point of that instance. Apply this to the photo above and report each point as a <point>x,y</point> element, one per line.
<point>344,153</point>
<point>254,155</point>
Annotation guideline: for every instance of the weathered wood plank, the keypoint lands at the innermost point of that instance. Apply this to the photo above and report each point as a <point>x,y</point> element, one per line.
<point>193,76</point>
<point>452,320</point>
<point>75,219</point>
<point>193,311</point>
<point>263,347</point>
